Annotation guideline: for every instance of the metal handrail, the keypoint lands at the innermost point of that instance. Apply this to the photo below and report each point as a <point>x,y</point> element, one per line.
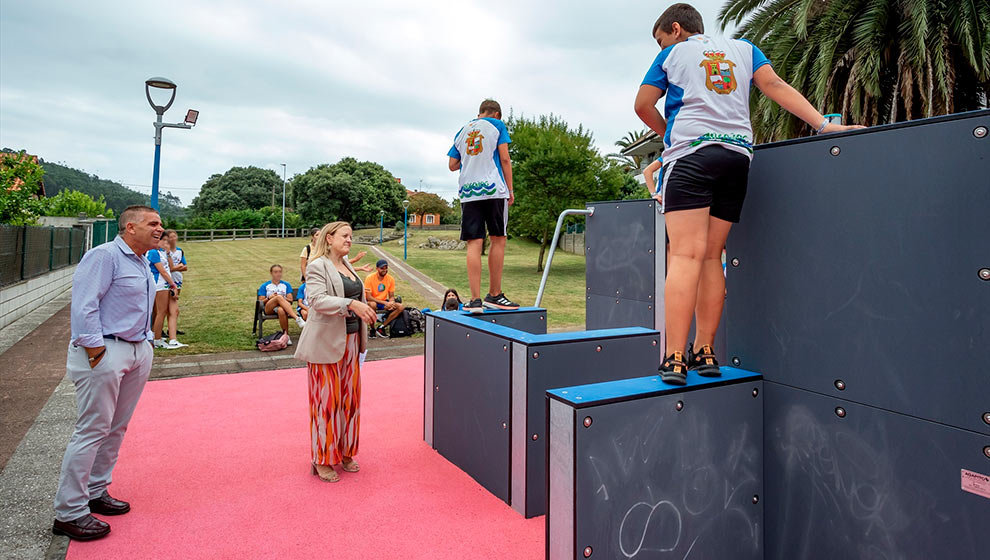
<point>553,247</point>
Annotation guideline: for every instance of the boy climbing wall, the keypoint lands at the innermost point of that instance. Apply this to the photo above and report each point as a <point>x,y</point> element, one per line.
<point>708,145</point>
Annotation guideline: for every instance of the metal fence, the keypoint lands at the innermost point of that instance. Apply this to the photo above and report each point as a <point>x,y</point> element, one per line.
<point>30,251</point>
<point>238,233</point>
<point>104,231</point>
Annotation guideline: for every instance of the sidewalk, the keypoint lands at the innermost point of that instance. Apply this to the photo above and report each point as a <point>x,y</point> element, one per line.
<point>38,412</point>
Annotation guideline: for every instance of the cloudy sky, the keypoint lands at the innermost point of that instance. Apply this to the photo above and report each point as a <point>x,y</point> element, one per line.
<point>305,83</point>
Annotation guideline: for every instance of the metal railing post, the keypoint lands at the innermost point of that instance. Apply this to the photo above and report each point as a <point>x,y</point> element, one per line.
<point>553,247</point>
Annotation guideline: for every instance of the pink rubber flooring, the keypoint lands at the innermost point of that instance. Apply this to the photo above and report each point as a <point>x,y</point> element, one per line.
<point>218,467</point>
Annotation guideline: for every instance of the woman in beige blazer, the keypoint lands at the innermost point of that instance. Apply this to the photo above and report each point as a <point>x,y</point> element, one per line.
<point>330,345</point>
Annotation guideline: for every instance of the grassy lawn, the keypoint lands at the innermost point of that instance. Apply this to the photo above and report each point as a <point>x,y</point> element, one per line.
<point>216,308</point>
<point>564,296</point>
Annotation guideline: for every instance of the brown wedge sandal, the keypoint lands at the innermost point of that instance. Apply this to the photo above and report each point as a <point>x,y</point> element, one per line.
<point>350,465</point>
<point>326,473</point>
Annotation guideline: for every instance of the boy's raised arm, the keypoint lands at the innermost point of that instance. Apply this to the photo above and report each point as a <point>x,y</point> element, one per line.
<point>646,108</point>
<point>774,87</point>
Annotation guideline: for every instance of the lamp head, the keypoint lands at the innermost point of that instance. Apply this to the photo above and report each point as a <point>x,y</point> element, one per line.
<point>405,204</point>
<point>163,84</point>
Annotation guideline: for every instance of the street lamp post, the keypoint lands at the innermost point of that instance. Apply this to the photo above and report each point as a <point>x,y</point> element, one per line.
<point>381,227</point>
<point>283,201</point>
<point>405,229</point>
<point>190,121</point>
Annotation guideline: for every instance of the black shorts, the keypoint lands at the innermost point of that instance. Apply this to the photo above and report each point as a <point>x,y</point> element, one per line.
<point>712,177</point>
<point>492,213</point>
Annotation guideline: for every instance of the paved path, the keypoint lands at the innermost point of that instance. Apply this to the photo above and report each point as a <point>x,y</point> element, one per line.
<point>37,408</point>
<point>32,363</point>
<point>430,289</point>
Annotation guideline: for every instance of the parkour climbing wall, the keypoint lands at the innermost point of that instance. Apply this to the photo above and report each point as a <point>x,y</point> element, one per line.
<point>858,285</point>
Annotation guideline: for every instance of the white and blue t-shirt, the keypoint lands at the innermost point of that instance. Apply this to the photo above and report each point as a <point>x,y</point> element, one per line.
<point>476,145</point>
<point>157,256</point>
<point>707,81</point>
<point>301,294</point>
<point>178,257</point>
<point>268,289</point>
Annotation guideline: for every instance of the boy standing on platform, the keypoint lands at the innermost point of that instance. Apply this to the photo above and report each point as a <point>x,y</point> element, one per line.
<point>481,153</point>
<point>706,158</point>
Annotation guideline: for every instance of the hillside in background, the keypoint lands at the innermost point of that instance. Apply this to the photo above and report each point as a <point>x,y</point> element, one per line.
<point>117,196</point>
<point>59,177</point>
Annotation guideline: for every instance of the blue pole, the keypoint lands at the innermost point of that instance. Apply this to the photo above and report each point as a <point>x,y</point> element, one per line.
<point>405,233</point>
<point>154,177</point>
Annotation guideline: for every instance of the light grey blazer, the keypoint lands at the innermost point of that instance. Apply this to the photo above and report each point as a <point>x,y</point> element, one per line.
<point>325,334</point>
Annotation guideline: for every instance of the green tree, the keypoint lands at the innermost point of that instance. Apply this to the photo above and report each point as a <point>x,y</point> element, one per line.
<point>428,203</point>
<point>555,167</point>
<point>117,196</point>
<point>239,188</point>
<point>454,217</point>
<point>349,190</point>
<point>20,182</point>
<point>71,203</point>
<point>874,61</point>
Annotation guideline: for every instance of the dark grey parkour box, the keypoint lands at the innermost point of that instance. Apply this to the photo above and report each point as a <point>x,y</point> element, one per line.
<point>485,385</point>
<point>859,285</point>
<point>642,469</point>
<point>856,268</point>
<point>845,480</point>
<point>625,250</point>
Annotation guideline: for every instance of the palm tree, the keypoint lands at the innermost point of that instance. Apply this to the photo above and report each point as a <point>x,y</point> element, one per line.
<point>874,61</point>
<point>628,163</point>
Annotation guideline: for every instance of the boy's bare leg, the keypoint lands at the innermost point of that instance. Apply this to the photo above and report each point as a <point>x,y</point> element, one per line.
<point>496,258</point>
<point>474,267</point>
<point>160,311</point>
<point>711,287</point>
<point>688,232</point>
<point>393,314</point>
<point>283,319</point>
<point>173,317</point>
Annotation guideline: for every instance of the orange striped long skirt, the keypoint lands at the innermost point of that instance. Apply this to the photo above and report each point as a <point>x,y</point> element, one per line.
<point>335,406</point>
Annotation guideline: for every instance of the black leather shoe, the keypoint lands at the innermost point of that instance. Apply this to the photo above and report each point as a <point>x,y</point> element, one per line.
<point>105,505</point>
<point>86,528</point>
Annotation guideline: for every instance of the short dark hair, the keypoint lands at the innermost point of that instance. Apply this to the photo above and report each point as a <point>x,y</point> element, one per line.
<point>273,267</point>
<point>489,106</point>
<point>684,14</point>
<point>314,231</point>
<point>130,214</point>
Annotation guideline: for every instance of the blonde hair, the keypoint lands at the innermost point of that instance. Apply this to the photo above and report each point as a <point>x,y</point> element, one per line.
<point>322,248</point>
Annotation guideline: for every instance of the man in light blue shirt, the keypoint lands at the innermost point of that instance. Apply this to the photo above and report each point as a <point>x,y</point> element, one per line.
<point>109,360</point>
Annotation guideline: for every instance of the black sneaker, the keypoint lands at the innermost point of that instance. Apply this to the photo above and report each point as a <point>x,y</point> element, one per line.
<point>474,306</point>
<point>703,362</point>
<point>381,331</point>
<point>674,370</point>
<point>500,302</point>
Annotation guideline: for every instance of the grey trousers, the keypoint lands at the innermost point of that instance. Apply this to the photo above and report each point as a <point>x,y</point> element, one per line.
<point>105,397</point>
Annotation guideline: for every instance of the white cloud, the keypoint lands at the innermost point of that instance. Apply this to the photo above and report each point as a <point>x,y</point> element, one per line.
<point>306,83</point>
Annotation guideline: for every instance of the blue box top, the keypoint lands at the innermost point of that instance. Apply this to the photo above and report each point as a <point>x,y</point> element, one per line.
<point>477,321</point>
<point>581,396</point>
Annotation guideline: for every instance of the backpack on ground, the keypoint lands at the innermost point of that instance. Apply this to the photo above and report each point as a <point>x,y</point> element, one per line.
<point>417,321</point>
<point>400,326</point>
<point>273,342</point>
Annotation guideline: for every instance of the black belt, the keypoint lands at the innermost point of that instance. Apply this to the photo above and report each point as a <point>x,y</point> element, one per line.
<point>118,339</point>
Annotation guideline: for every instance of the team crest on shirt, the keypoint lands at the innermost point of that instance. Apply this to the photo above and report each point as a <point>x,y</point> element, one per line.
<point>719,75</point>
<point>474,142</point>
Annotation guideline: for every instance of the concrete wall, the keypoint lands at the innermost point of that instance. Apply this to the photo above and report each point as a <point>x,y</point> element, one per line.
<point>19,299</point>
<point>572,243</point>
